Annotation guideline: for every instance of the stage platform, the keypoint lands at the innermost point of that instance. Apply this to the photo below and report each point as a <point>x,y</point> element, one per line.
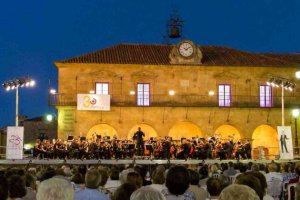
<point>127,162</point>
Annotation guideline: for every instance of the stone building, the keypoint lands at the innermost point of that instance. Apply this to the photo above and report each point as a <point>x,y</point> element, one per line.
<point>182,90</point>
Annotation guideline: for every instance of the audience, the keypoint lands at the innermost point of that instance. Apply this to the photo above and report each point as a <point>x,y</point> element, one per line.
<point>177,183</point>
<point>55,188</point>
<point>147,193</point>
<point>188,182</point>
<point>200,193</point>
<point>124,191</point>
<point>92,182</point>
<point>238,192</point>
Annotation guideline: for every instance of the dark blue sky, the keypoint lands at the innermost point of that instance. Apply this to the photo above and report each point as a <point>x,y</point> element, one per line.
<point>35,33</point>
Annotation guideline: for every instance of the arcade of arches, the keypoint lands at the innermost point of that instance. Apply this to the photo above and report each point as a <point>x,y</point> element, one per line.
<point>264,137</point>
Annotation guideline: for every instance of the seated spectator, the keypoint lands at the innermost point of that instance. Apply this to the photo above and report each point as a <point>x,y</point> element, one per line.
<point>214,187</point>
<point>297,174</point>
<point>3,188</point>
<point>124,173</point>
<point>158,180</point>
<point>177,183</point>
<point>135,178</point>
<point>147,193</point>
<point>199,192</point>
<point>104,178</point>
<point>124,191</point>
<point>274,181</point>
<point>230,171</point>
<point>238,192</point>
<point>113,182</point>
<point>16,187</point>
<point>91,192</point>
<point>263,184</point>
<point>55,188</point>
<point>251,181</point>
<point>30,187</point>
<point>77,181</point>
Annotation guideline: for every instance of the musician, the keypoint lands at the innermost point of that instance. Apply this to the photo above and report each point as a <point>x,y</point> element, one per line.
<point>139,141</point>
<point>166,148</point>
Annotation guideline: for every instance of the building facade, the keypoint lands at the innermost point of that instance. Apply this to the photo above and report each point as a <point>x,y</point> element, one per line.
<point>182,90</point>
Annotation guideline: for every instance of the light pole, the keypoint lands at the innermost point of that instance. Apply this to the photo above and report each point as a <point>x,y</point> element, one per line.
<point>14,84</point>
<point>295,113</point>
<point>285,84</point>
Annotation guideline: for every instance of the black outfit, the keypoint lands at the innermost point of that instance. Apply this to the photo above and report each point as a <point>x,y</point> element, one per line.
<point>140,142</point>
<point>283,139</point>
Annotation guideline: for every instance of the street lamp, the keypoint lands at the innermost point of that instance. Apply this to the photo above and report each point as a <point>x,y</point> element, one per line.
<point>14,84</point>
<point>295,113</point>
<point>285,84</point>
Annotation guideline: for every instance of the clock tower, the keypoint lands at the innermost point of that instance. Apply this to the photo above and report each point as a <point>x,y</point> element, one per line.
<point>186,52</point>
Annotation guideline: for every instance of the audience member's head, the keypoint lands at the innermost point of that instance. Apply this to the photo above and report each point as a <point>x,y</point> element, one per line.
<point>30,181</point>
<point>135,178</point>
<point>272,167</point>
<point>147,193</point>
<point>77,178</point>
<point>124,191</point>
<point>55,188</point>
<point>194,177</point>
<point>238,192</point>
<point>262,180</point>
<point>214,186</point>
<point>104,176</point>
<point>252,182</point>
<point>124,173</point>
<point>177,180</point>
<point>47,173</point>
<point>92,179</point>
<point>158,177</point>
<point>114,174</point>
<point>16,187</point>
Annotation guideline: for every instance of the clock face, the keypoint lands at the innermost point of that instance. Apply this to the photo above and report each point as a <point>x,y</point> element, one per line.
<point>186,49</point>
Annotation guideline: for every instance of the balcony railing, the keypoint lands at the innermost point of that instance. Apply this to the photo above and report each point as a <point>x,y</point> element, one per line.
<point>179,101</point>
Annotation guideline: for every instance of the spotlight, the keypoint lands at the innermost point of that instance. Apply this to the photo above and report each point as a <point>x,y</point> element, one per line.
<point>269,82</point>
<point>32,83</point>
<point>171,92</point>
<point>132,92</point>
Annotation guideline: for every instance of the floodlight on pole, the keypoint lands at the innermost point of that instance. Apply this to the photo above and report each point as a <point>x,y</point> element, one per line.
<point>285,84</point>
<point>14,84</point>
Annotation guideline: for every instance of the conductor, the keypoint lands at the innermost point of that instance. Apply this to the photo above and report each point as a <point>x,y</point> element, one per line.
<point>139,141</point>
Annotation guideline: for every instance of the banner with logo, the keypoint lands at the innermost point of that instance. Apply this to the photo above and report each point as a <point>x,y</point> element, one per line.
<point>15,142</point>
<point>285,142</point>
<point>93,102</point>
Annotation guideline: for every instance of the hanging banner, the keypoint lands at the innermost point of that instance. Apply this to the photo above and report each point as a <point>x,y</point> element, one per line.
<point>285,142</point>
<point>93,102</point>
<point>15,142</point>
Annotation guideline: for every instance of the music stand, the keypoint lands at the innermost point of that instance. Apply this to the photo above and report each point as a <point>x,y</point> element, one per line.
<point>70,138</point>
<point>131,146</point>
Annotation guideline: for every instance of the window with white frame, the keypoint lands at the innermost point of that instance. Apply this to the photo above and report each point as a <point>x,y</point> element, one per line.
<point>224,95</point>
<point>143,94</point>
<point>265,96</point>
<point>102,88</point>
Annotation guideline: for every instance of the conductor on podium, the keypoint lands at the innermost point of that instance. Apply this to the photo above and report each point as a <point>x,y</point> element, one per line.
<point>139,141</point>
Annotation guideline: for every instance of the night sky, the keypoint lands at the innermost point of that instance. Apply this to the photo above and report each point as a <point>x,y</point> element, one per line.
<point>35,33</point>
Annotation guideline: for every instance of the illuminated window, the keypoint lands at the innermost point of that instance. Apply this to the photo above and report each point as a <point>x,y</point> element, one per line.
<point>143,94</point>
<point>224,96</point>
<point>102,88</point>
<point>265,96</point>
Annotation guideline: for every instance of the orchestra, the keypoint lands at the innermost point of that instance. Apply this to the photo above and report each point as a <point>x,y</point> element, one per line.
<point>163,148</point>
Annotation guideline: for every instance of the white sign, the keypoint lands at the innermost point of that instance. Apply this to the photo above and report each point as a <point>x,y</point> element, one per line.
<point>14,144</point>
<point>93,102</point>
<point>285,142</point>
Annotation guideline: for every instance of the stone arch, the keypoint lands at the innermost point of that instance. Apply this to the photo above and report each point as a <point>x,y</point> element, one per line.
<point>103,130</point>
<point>227,131</point>
<point>185,129</point>
<point>147,129</point>
<point>265,137</point>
